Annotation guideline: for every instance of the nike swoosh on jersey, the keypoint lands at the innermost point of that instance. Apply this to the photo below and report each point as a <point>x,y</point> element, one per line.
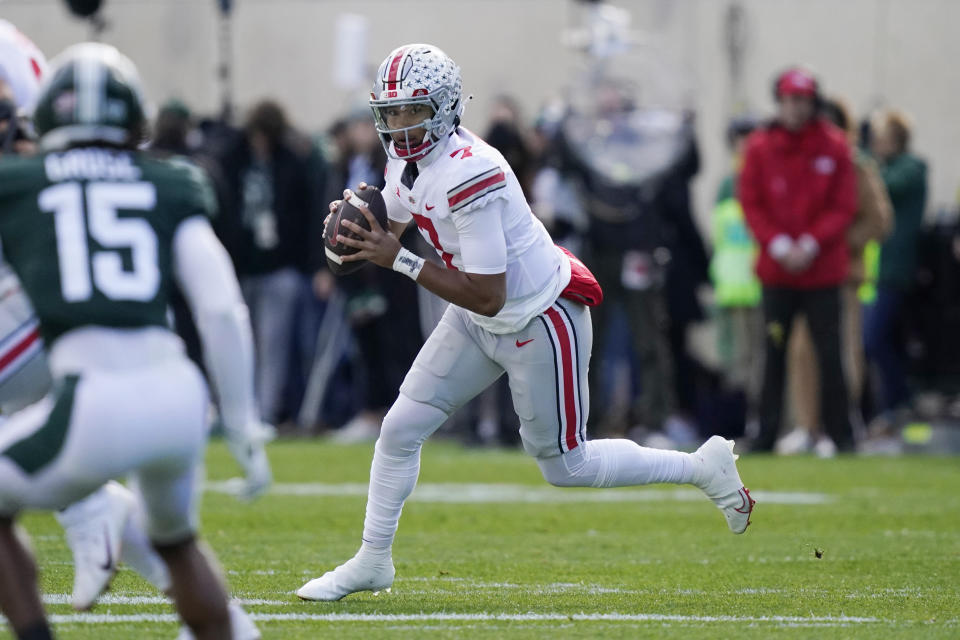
<point>429,208</point>
<point>520,344</point>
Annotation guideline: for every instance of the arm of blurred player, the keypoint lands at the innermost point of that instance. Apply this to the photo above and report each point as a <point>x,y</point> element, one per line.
<point>397,228</point>
<point>483,293</point>
<point>206,277</point>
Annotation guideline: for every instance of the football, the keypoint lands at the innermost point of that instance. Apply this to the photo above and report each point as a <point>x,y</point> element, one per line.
<point>346,211</point>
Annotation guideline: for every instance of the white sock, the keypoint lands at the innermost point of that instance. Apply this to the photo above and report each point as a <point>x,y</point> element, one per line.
<point>395,467</point>
<point>617,463</point>
<point>138,552</point>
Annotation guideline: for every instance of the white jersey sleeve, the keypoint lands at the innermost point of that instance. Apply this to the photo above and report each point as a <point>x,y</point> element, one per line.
<point>483,247</point>
<point>395,211</point>
<point>206,277</point>
<point>485,186</point>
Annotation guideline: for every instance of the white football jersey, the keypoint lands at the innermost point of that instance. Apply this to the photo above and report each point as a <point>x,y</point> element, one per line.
<point>469,206</point>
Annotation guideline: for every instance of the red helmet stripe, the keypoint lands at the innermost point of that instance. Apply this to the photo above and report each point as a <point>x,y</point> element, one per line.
<point>394,72</point>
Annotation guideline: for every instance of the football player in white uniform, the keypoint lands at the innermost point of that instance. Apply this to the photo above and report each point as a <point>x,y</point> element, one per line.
<point>519,306</point>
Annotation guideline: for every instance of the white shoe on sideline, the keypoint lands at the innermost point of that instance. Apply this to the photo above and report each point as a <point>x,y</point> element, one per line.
<point>794,443</point>
<point>94,528</point>
<point>359,573</point>
<point>719,479</point>
<point>241,625</point>
<point>825,447</point>
<point>360,428</point>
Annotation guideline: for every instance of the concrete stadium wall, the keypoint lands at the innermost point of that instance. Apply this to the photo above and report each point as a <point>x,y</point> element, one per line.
<point>896,52</point>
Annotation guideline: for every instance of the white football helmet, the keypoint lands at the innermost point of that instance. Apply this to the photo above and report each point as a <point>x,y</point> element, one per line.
<point>418,74</point>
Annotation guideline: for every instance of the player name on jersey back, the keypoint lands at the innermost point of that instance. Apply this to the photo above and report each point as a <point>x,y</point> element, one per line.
<point>90,233</point>
<point>91,164</point>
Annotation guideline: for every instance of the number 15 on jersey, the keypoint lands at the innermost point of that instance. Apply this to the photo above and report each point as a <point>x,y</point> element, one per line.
<point>83,269</point>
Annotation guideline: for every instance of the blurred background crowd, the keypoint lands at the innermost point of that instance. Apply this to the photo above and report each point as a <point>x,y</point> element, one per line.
<point>810,302</point>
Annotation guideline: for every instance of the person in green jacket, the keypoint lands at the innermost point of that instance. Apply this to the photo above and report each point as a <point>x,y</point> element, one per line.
<point>905,176</point>
<point>736,287</point>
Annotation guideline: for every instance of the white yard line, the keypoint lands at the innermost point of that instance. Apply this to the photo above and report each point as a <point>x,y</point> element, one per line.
<point>410,620</point>
<point>463,493</point>
<point>446,585</point>
<point>111,599</point>
<point>106,618</point>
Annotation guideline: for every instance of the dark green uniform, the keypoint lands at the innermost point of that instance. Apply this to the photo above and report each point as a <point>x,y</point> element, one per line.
<point>89,232</point>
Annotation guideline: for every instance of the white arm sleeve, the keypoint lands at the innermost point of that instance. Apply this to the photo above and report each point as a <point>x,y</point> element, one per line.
<point>206,277</point>
<point>395,210</point>
<point>483,246</point>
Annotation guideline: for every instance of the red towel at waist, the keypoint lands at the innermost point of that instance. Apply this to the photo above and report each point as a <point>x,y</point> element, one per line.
<point>583,287</point>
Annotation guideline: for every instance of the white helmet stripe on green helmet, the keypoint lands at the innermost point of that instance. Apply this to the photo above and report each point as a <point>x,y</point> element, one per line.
<point>89,78</point>
<point>92,93</point>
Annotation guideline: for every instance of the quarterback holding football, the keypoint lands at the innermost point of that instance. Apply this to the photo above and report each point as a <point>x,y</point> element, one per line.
<point>519,306</point>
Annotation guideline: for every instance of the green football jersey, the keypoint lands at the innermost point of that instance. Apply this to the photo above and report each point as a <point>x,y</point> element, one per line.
<point>89,231</point>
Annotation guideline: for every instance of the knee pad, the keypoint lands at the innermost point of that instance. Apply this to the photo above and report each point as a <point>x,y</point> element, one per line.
<point>407,424</point>
<point>575,468</point>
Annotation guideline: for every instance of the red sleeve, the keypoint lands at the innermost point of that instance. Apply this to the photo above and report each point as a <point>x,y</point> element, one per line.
<point>841,205</point>
<point>752,197</point>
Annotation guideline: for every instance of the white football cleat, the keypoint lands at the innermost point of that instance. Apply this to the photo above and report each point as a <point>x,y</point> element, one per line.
<point>359,573</point>
<point>719,479</point>
<point>94,529</point>
<point>241,626</point>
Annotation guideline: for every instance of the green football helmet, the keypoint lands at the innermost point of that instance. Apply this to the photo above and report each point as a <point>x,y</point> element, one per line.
<point>92,94</point>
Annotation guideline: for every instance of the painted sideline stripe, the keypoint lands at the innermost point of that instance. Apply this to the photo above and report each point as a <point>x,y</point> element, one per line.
<point>107,618</point>
<point>107,598</point>
<point>462,493</point>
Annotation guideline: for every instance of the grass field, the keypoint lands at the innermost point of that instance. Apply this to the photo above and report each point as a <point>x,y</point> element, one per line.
<point>487,550</point>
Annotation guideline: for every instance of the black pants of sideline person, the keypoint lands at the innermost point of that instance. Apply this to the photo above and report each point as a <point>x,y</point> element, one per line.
<point>822,310</point>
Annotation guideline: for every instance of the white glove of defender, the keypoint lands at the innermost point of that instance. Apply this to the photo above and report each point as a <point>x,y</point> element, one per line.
<point>250,453</point>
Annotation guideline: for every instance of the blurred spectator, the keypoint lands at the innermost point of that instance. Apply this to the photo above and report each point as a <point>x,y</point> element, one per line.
<point>504,135</point>
<point>736,287</point>
<point>799,194</point>
<point>620,179</point>
<point>384,323</point>
<point>871,223</point>
<point>274,181</point>
<point>687,270</point>
<point>554,195</point>
<point>171,129</point>
<point>905,177</point>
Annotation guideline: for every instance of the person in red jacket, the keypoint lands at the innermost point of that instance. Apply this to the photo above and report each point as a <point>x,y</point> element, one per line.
<point>799,195</point>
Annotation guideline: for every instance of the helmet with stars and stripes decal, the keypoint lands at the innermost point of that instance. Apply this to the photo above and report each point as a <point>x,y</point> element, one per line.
<point>417,74</point>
